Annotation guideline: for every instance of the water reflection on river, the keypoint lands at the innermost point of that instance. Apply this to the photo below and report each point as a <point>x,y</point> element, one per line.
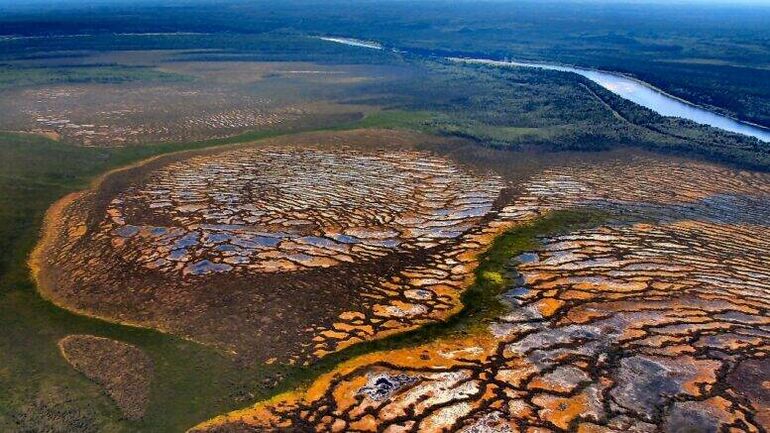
<point>628,88</point>
<point>646,96</point>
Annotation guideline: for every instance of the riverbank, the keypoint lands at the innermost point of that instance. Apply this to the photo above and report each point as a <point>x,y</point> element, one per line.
<point>630,88</point>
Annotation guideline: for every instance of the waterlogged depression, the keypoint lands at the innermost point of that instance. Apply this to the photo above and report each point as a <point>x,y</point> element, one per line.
<point>647,323</point>
<point>306,246</point>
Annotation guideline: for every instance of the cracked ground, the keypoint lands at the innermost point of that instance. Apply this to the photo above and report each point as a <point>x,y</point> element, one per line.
<point>285,251</point>
<point>293,248</point>
<point>656,320</point>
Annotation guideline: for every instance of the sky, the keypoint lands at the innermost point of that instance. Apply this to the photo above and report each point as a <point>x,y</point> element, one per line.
<point>22,3</point>
<point>31,5</point>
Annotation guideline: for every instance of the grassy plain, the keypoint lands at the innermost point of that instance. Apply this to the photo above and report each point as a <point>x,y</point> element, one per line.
<point>14,76</point>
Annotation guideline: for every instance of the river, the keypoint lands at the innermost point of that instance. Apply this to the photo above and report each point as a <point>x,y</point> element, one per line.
<point>352,42</point>
<point>629,88</point>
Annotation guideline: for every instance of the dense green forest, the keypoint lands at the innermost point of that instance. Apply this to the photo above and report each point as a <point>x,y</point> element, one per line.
<point>524,108</point>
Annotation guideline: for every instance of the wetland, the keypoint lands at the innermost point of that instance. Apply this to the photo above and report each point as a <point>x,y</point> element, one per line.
<point>221,219</point>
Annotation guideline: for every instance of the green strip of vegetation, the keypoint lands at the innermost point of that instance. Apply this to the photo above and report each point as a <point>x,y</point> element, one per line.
<point>398,119</point>
<point>481,301</point>
<point>444,124</point>
<point>193,382</point>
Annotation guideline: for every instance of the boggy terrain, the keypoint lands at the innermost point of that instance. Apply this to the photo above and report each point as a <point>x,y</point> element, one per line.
<point>124,371</point>
<point>537,272</point>
<point>655,320</point>
<point>284,250</point>
<point>164,100</point>
<point>288,249</point>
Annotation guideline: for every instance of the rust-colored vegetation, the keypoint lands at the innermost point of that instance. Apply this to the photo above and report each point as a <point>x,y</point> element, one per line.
<point>290,248</point>
<point>642,323</point>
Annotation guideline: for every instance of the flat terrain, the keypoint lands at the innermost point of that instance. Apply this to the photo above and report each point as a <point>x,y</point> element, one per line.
<point>214,220</point>
<point>343,230</point>
<point>124,371</point>
<point>153,97</point>
<point>644,322</point>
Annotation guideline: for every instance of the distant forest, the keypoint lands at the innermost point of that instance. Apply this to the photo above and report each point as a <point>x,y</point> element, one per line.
<point>718,56</point>
<point>710,54</point>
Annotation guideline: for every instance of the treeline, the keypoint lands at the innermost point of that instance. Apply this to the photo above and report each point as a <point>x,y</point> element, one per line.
<point>268,46</point>
<point>528,108</point>
<point>710,54</point>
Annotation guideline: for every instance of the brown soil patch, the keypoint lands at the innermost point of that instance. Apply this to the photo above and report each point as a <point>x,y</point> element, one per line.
<point>123,370</point>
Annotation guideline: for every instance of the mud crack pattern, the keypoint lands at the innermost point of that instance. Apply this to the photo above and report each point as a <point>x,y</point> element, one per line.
<point>271,210</point>
<point>658,320</point>
<point>285,251</point>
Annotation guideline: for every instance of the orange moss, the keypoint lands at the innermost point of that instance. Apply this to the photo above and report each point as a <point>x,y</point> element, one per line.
<point>548,306</point>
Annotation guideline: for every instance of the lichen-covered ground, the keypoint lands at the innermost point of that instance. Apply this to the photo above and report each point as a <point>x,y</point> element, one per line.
<point>657,320</point>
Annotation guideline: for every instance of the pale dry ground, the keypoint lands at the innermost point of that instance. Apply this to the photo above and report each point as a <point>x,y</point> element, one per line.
<point>659,321</point>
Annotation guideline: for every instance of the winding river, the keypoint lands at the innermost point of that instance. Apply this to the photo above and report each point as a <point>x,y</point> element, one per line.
<point>631,89</point>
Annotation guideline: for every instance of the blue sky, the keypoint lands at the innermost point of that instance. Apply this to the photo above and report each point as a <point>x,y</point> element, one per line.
<point>160,2</point>
<point>68,4</point>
